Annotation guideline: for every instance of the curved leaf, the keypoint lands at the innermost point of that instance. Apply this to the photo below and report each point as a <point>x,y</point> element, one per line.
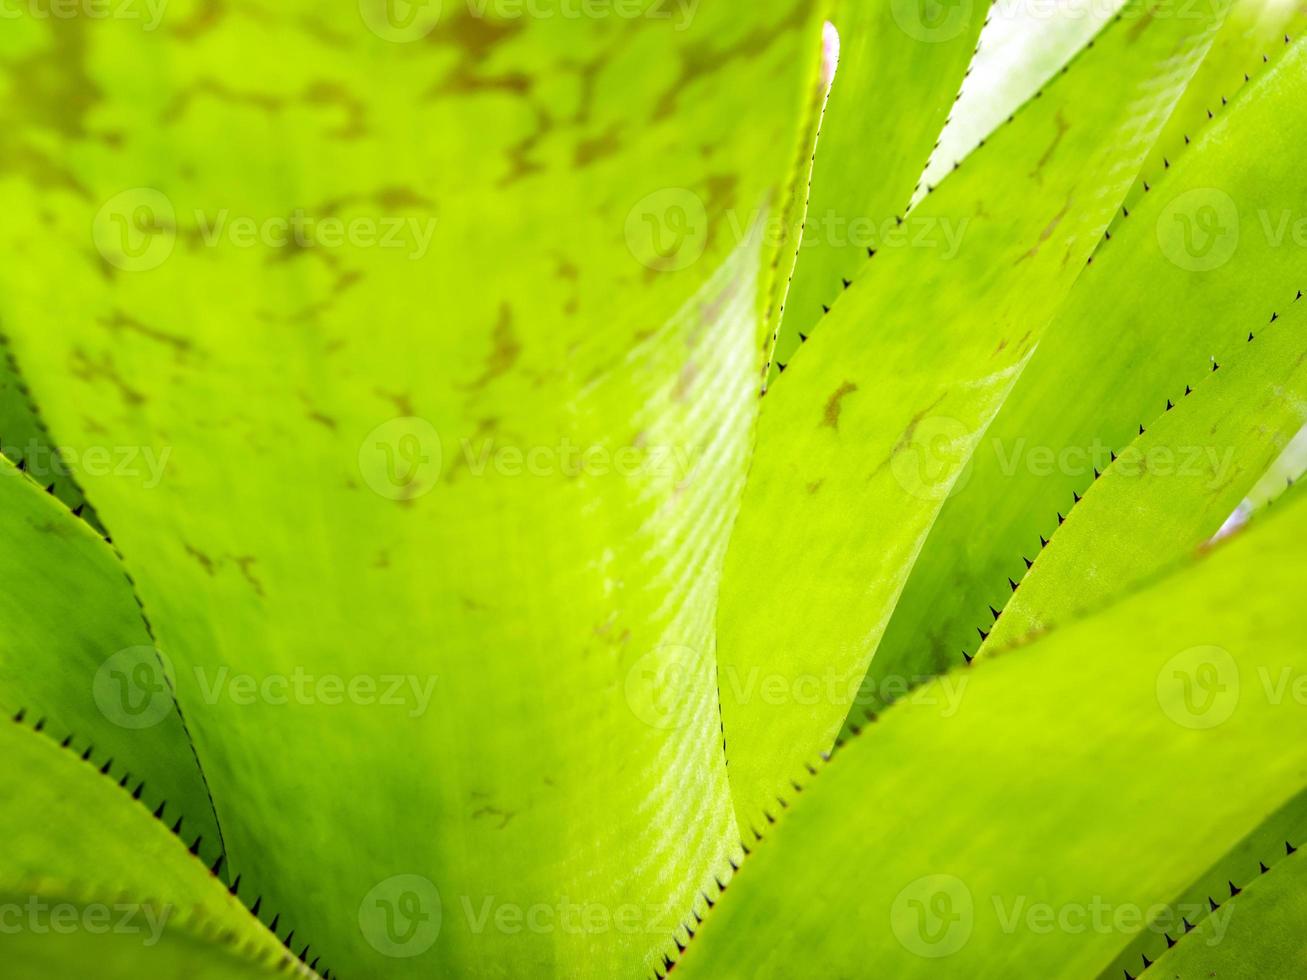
<point>920,352</point>
<point>1065,806</point>
<point>1148,318</point>
<point>77,659</point>
<point>457,427</point>
<point>900,65</point>
<point>69,829</point>
<point>1262,935</point>
<point>1173,488</point>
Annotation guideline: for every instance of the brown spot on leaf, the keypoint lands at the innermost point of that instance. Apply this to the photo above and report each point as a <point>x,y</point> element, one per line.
<point>835,405</point>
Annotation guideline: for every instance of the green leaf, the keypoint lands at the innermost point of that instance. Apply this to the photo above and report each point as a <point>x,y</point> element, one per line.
<point>1020,50</point>
<point>919,354</point>
<point>1209,896</point>
<point>900,65</point>
<point>55,936</point>
<point>1174,487</point>
<point>1261,936</point>
<point>77,660</point>
<point>1148,318</point>
<point>69,829</point>
<point>1055,824</point>
<point>496,465</point>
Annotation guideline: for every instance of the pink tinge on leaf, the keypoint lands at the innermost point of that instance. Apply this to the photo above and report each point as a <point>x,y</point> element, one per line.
<point>830,53</point>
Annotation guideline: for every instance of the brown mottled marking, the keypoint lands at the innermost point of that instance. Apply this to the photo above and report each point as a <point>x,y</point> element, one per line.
<point>604,145</point>
<point>685,381</point>
<point>1046,234</point>
<point>88,370</point>
<point>504,353</point>
<point>814,486</point>
<point>1062,127</point>
<point>834,405</point>
<point>207,15</point>
<point>199,556</point>
<point>701,59</point>
<point>245,561</point>
<point>120,321</point>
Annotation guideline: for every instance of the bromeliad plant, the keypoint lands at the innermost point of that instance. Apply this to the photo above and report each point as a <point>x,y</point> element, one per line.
<point>416,563</point>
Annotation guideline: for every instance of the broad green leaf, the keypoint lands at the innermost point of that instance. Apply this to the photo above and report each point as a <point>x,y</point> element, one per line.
<point>919,353</point>
<point>1173,488</point>
<point>69,828</point>
<point>436,552</point>
<point>1262,936</point>
<point>1255,31</point>
<point>1209,895</point>
<point>1149,317</point>
<point>77,661</point>
<point>1022,46</point>
<point>116,940</point>
<point>900,65</point>
<point>1079,783</point>
<point>25,441</point>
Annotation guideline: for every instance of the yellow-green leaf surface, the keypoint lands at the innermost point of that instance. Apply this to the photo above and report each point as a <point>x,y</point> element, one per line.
<point>57,936</point>
<point>921,350</point>
<point>1173,488</point>
<point>992,867</point>
<point>1274,839</point>
<point>446,328</point>
<point>1179,286</point>
<point>1022,46</point>
<point>900,65</point>
<point>66,825</point>
<point>1261,938</point>
<point>77,660</point>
